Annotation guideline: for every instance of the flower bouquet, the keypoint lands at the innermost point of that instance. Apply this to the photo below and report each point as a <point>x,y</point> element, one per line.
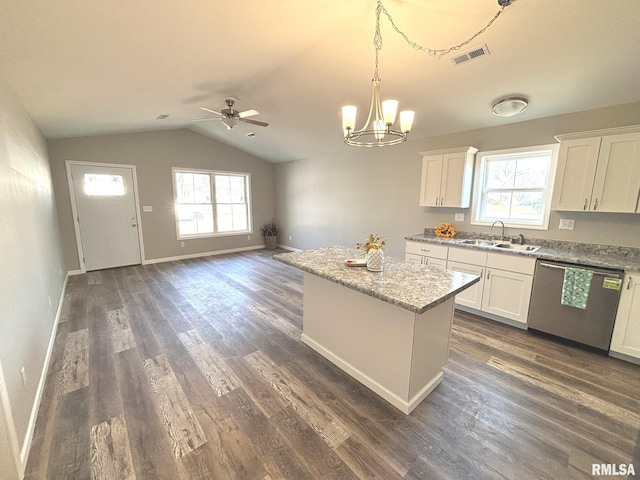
<point>445,230</point>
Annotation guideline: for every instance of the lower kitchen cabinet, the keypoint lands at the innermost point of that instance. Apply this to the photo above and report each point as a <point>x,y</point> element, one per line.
<point>626,331</point>
<point>507,294</point>
<point>505,286</point>
<point>426,254</point>
<point>472,296</point>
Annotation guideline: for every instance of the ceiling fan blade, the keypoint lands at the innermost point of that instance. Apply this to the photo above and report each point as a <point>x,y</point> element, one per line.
<point>254,122</point>
<point>204,119</point>
<point>209,110</point>
<point>248,113</point>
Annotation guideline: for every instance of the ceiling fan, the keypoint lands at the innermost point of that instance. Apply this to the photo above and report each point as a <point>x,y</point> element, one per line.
<point>231,117</point>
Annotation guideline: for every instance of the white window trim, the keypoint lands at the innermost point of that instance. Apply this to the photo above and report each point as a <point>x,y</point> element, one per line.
<point>249,231</point>
<point>479,181</point>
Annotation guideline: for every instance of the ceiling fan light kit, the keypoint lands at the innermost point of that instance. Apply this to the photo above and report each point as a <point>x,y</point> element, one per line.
<point>378,130</point>
<point>509,106</point>
<point>231,117</point>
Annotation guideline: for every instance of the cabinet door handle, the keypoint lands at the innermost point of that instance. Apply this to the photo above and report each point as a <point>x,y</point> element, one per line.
<point>586,202</point>
<point>629,284</point>
<point>441,201</point>
<point>595,204</point>
<point>488,273</point>
<point>436,200</point>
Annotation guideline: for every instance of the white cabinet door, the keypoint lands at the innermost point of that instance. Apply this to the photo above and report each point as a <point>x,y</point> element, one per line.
<point>577,161</point>
<point>431,178</point>
<point>456,180</point>
<point>617,179</point>
<point>446,177</point>
<point>598,174</point>
<point>436,262</point>
<point>472,296</point>
<point>507,294</point>
<point>626,331</point>
<point>413,258</point>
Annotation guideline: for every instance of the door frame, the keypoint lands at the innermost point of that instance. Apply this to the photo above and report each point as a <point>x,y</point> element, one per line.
<point>74,206</point>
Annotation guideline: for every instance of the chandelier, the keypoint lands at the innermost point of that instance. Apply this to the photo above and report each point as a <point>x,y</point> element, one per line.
<point>378,130</point>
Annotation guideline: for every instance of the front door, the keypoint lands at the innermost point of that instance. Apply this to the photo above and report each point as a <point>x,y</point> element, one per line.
<point>107,218</point>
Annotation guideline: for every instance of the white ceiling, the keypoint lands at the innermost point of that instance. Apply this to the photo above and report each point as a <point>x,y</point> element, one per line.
<point>97,67</point>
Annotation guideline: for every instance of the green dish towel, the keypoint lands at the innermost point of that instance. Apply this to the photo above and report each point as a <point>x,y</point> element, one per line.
<point>576,286</point>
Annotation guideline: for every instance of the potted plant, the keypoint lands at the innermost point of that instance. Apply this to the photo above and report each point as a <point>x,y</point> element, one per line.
<point>270,232</point>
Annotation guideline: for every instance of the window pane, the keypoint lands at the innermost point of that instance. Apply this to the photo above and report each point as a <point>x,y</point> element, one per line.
<point>240,217</point>
<point>500,173</point>
<point>202,188</point>
<point>225,218</point>
<point>184,188</point>
<point>527,206</point>
<point>195,219</point>
<point>103,185</point>
<point>531,172</point>
<point>496,205</point>
<point>237,189</point>
<point>223,189</point>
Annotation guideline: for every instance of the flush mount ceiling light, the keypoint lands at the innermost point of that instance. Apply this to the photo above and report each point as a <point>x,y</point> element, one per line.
<point>510,106</point>
<point>378,129</point>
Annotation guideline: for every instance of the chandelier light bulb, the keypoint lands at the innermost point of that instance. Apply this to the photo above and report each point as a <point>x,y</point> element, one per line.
<point>406,120</point>
<point>389,110</point>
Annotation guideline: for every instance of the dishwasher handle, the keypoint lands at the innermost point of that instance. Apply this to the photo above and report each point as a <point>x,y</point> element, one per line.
<point>596,272</point>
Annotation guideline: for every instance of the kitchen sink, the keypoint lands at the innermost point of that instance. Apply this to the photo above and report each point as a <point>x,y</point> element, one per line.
<point>477,242</point>
<point>495,244</point>
<point>515,246</point>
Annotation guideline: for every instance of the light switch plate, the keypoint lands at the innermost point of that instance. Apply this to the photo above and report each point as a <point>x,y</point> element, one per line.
<point>567,224</point>
<point>459,217</point>
<point>147,208</point>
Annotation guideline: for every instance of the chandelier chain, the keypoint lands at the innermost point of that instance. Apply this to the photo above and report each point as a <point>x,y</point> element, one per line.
<point>437,53</point>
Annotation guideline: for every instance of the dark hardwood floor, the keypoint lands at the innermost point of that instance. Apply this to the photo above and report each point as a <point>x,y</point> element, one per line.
<point>195,370</point>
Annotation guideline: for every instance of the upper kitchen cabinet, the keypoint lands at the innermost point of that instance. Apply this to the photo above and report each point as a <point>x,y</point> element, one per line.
<point>598,171</point>
<point>446,177</point>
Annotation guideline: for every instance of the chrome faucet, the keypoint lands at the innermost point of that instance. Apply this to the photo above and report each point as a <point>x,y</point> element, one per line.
<point>500,222</point>
<point>521,239</point>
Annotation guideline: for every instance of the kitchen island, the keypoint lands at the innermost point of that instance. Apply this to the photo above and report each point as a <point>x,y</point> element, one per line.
<point>390,330</point>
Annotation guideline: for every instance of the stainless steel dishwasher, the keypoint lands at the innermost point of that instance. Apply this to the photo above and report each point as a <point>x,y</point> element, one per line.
<point>590,326</point>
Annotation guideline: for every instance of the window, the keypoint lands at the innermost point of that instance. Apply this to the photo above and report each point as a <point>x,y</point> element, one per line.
<point>211,203</point>
<point>97,185</point>
<point>514,186</point>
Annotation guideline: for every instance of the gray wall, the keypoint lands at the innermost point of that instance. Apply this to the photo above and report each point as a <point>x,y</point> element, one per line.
<point>153,154</point>
<point>330,201</point>
<point>32,275</point>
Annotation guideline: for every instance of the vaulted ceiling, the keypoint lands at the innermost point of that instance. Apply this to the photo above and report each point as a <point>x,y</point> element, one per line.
<point>98,67</point>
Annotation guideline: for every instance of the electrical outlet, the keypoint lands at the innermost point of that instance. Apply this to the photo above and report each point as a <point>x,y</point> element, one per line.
<point>459,217</point>
<point>182,244</point>
<point>248,237</point>
<point>289,237</point>
<point>567,224</point>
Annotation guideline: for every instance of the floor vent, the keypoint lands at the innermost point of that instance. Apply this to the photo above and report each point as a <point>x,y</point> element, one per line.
<point>472,54</point>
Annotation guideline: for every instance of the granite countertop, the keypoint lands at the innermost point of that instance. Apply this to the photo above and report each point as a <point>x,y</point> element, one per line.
<point>603,256</point>
<point>410,286</point>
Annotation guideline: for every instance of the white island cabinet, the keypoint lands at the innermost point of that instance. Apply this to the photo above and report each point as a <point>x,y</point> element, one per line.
<point>598,171</point>
<point>626,331</point>
<point>390,330</point>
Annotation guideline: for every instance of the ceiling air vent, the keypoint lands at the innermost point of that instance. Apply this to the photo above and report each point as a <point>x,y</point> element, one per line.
<point>472,54</point>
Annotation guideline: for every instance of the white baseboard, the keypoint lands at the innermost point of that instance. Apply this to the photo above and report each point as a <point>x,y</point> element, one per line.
<point>74,272</point>
<point>203,254</point>
<point>26,446</point>
<point>287,247</point>
<point>405,407</point>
